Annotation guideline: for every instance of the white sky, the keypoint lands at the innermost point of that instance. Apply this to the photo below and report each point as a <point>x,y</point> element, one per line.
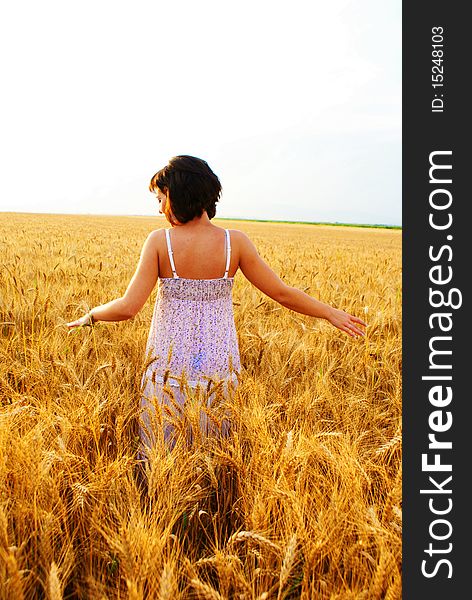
<point>296,105</point>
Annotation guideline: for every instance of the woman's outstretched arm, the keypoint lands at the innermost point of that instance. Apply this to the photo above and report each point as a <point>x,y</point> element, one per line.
<point>265,279</point>
<point>138,291</point>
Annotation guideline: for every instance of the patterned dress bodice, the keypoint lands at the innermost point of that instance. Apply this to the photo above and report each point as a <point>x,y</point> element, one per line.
<point>193,329</point>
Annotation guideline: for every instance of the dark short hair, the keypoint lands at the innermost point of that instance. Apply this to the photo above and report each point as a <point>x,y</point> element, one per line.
<point>191,185</point>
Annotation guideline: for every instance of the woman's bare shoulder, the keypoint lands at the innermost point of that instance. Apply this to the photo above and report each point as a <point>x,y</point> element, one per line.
<point>239,240</point>
<point>237,234</point>
<point>156,238</point>
<point>242,239</point>
<point>156,234</point>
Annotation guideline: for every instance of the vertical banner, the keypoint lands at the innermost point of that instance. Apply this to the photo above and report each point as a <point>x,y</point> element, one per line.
<point>436,248</point>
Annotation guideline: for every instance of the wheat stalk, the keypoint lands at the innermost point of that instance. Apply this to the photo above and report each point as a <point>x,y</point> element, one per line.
<point>3,529</point>
<point>216,559</point>
<point>166,586</point>
<point>287,563</point>
<point>14,581</point>
<point>54,583</point>
<point>380,578</point>
<point>251,535</point>
<point>394,591</point>
<point>205,590</point>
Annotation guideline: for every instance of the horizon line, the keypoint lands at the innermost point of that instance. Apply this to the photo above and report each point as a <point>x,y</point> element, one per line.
<point>334,223</point>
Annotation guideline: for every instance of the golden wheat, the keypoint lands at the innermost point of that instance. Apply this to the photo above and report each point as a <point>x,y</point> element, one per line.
<point>303,500</point>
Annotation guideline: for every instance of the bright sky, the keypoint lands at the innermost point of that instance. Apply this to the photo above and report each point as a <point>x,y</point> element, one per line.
<point>296,105</point>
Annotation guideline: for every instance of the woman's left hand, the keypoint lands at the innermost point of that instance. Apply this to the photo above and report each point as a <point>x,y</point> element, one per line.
<point>346,322</point>
<point>85,321</point>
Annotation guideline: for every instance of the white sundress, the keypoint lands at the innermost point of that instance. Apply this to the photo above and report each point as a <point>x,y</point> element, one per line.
<point>192,333</point>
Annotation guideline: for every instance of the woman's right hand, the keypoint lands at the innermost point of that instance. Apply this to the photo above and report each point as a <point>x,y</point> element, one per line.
<point>346,322</point>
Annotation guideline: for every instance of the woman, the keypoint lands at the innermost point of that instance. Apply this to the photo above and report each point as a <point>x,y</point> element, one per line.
<point>192,339</point>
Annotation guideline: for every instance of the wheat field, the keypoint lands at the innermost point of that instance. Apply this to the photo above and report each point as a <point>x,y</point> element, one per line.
<point>303,500</point>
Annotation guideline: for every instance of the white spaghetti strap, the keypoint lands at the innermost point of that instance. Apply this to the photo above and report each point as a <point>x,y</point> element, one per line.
<point>171,254</point>
<point>228,253</point>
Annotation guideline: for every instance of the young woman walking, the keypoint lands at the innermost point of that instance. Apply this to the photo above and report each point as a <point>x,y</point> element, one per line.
<point>192,333</point>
